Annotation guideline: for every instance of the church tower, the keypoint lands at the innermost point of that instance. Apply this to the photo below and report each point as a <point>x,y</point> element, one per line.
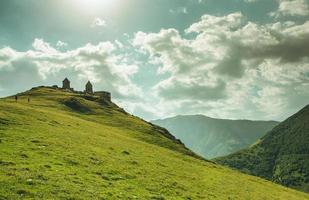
<point>66,84</point>
<point>89,88</point>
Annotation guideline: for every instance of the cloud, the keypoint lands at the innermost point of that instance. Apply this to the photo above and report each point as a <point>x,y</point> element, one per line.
<point>98,22</point>
<point>44,47</point>
<point>211,24</point>
<point>7,54</point>
<point>45,65</point>
<point>288,8</point>
<point>180,10</point>
<point>291,8</point>
<point>61,44</point>
<point>231,65</point>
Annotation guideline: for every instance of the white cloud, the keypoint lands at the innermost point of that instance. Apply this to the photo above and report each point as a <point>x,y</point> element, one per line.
<point>213,24</point>
<point>180,10</point>
<point>98,22</point>
<point>44,47</point>
<point>232,68</point>
<point>292,8</point>
<point>7,54</point>
<point>61,44</point>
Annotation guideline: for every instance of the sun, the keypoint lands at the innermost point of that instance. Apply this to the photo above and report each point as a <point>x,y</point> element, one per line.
<point>94,6</point>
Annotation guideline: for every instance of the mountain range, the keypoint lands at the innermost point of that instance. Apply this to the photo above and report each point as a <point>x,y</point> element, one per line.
<point>210,137</point>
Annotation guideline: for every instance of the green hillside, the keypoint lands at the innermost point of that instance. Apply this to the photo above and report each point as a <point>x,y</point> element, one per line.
<point>66,146</point>
<point>281,156</point>
<point>212,137</point>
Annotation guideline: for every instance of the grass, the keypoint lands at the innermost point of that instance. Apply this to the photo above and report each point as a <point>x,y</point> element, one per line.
<point>50,150</point>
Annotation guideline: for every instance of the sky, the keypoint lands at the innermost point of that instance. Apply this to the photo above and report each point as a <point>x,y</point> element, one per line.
<point>235,59</point>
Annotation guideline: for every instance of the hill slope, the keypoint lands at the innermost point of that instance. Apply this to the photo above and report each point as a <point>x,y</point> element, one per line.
<point>211,137</point>
<point>281,156</point>
<point>66,146</point>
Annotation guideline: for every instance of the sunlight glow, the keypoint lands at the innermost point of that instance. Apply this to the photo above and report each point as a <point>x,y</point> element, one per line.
<point>93,6</point>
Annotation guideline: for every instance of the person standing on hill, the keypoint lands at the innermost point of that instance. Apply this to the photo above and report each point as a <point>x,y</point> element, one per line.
<point>28,99</point>
<point>16,98</point>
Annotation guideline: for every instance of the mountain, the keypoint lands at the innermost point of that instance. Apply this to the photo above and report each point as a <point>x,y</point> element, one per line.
<point>64,145</point>
<point>281,156</point>
<point>211,137</point>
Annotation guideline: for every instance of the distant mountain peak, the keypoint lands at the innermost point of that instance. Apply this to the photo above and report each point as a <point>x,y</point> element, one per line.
<point>211,137</point>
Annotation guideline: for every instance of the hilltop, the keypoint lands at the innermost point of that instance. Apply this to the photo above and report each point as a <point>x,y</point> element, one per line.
<point>63,145</point>
<point>281,156</point>
<point>212,137</point>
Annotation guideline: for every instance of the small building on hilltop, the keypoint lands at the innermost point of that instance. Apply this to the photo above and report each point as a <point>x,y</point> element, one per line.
<point>66,84</point>
<point>89,88</point>
<point>104,95</point>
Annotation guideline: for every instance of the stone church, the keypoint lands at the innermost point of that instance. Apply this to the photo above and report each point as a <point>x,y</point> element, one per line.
<point>88,90</point>
<point>66,84</point>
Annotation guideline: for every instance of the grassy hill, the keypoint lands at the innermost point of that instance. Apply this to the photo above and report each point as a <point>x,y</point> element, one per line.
<point>212,137</point>
<point>281,156</point>
<point>66,146</point>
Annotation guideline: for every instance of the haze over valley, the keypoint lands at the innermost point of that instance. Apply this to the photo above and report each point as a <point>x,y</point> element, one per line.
<point>211,137</point>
